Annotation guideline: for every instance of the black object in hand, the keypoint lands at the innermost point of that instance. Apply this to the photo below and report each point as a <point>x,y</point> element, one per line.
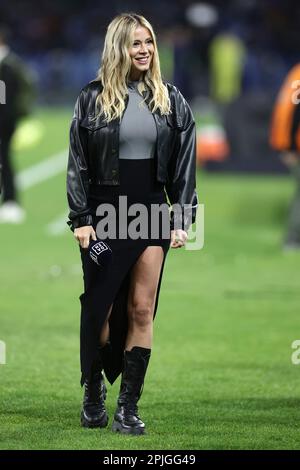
<point>100,252</point>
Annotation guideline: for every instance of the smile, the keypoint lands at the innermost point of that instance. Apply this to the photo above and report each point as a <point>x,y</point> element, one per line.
<point>143,60</point>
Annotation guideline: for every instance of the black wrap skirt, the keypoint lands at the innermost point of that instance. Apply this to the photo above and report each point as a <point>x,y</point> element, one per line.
<point>104,286</point>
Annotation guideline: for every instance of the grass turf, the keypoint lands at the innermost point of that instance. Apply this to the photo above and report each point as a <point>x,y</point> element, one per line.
<point>220,376</point>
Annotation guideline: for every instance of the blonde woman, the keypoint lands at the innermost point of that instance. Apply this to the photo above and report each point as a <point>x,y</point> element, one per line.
<point>133,136</point>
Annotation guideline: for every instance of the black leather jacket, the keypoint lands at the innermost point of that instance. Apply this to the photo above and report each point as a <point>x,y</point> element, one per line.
<point>94,147</point>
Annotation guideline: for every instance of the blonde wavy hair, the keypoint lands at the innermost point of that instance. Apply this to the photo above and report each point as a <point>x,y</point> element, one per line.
<point>116,65</point>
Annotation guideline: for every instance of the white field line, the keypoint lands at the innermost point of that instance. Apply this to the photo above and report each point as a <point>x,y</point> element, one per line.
<point>42,171</point>
<point>58,225</point>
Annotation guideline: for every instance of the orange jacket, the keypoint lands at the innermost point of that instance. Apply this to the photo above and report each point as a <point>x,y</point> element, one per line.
<point>285,129</point>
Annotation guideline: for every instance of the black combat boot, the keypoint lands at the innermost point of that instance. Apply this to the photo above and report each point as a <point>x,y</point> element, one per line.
<point>126,419</point>
<point>93,414</point>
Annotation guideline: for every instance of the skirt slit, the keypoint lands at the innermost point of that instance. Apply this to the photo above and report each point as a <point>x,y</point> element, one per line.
<point>104,286</point>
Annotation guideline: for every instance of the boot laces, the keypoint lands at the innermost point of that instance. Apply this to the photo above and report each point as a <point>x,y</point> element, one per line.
<point>131,408</point>
<point>131,397</point>
<point>95,391</point>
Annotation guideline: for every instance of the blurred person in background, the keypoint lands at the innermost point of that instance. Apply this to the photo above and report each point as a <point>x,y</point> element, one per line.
<point>285,137</point>
<point>121,144</point>
<point>227,56</point>
<point>19,91</point>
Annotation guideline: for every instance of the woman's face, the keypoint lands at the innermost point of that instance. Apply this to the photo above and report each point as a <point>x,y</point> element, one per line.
<point>141,52</point>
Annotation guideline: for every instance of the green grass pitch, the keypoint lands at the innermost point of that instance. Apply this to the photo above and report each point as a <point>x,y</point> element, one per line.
<point>220,376</point>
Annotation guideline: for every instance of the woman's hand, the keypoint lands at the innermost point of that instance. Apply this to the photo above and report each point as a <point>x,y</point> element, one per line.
<point>83,235</point>
<point>178,238</point>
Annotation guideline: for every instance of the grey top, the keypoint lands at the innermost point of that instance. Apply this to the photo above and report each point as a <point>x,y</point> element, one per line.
<point>137,129</point>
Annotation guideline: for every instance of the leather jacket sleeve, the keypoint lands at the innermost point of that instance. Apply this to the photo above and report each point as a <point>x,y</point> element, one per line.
<point>181,183</point>
<point>77,170</point>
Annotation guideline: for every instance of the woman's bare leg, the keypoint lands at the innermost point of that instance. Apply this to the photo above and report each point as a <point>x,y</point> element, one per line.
<point>104,335</point>
<point>141,298</point>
